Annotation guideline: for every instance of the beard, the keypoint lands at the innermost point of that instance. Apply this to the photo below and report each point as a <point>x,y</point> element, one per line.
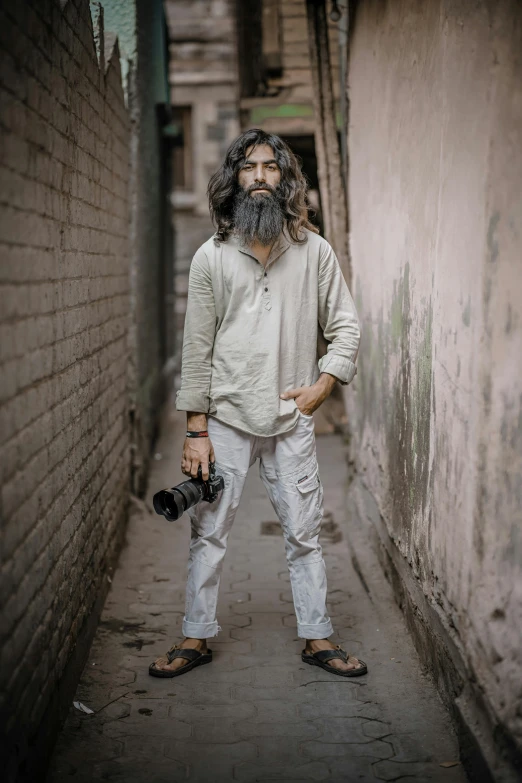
<point>258,218</point>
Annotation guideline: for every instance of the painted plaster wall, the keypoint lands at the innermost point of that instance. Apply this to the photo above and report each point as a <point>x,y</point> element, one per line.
<point>436,239</point>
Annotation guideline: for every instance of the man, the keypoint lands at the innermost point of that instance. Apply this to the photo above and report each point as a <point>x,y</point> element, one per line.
<point>257,291</point>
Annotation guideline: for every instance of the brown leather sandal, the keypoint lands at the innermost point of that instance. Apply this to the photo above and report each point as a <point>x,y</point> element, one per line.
<point>321,658</point>
<point>195,658</point>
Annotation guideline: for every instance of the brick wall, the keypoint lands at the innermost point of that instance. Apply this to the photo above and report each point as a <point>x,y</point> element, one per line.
<point>64,303</point>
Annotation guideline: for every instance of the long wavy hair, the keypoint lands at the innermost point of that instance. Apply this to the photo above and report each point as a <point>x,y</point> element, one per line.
<point>223,185</point>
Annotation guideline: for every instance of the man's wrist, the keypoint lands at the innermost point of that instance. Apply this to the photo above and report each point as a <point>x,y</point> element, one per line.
<point>196,422</point>
<point>326,381</point>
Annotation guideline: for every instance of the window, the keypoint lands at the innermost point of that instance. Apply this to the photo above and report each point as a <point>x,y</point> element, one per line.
<point>182,151</point>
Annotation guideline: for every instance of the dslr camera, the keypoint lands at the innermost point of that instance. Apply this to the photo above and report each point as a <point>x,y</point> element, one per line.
<point>171,503</point>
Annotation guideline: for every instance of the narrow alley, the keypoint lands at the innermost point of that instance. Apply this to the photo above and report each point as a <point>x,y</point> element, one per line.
<point>257,713</point>
<point>394,134</point>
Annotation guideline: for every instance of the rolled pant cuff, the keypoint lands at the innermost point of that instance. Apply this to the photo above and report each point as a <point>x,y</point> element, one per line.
<point>199,630</point>
<point>318,631</point>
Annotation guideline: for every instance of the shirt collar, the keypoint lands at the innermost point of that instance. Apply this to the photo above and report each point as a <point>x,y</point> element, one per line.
<point>281,244</point>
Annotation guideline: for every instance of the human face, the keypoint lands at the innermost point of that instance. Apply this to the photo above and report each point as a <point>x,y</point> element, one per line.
<point>260,167</point>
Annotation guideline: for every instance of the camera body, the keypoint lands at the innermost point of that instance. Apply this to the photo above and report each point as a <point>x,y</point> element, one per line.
<point>171,503</point>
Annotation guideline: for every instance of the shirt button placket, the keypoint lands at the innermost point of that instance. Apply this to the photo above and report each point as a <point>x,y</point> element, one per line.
<point>266,293</point>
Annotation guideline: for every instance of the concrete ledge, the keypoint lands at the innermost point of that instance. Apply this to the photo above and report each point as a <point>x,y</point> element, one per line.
<point>487,751</point>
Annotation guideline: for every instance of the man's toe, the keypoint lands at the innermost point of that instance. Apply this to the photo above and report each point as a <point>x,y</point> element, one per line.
<point>160,663</point>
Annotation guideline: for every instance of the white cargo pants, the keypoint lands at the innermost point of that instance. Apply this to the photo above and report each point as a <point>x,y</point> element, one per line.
<point>289,471</point>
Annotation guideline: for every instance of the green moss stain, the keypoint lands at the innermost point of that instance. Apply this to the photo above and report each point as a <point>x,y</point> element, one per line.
<point>492,237</point>
<point>409,345</point>
<point>261,113</point>
<point>466,313</point>
<point>400,308</point>
<point>395,378</point>
<point>421,409</point>
<point>372,370</point>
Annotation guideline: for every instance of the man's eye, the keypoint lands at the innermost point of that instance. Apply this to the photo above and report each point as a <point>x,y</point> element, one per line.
<point>248,167</point>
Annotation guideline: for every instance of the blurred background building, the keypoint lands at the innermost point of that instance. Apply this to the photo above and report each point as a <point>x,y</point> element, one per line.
<point>408,119</point>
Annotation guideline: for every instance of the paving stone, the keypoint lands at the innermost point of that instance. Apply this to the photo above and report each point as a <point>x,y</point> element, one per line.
<point>224,730</point>
<point>413,771</point>
<point>218,693</point>
<point>232,660</point>
<point>249,693</point>
<point>376,729</point>
<point>259,583</point>
<point>257,713</point>
<point>258,773</point>
<point>193,713</point>
<point>230,647</point>
<point>334,695</point>
<point>289,728</point>
<point>234,596</point>
<point>372,749</point>
<point>210,761</point>
<point>304,674</point>
<point>289,620</point>
<point>352,770</point>
<point>156,688</point>
<point>280,749</point>
<point>229,622</point>
<point>276,711</point>
<point>281,644</point>
<point>142,726</point>
<point>260,607</point>
<point>172,617</point>
<point>268,621</point>
<point>74,752</point>
<point>115,711</point>
<point>125,770</point>
<point>346,709</point>
<point>344,730</point>
<point>214,675</point>
<point>273,676</point>
<point>411,747</point>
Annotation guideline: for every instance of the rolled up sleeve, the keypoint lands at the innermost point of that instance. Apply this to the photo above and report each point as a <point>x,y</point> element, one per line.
<point>338,320</point>
<point>198,340</point>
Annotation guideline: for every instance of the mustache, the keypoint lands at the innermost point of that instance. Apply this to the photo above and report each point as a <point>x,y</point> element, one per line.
<point>261,186</point>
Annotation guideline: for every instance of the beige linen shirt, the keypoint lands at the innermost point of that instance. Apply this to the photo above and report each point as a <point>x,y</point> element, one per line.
<point>251,332</point>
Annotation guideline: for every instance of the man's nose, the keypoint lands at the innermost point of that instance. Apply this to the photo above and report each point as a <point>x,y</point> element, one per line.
<point>260,174</point>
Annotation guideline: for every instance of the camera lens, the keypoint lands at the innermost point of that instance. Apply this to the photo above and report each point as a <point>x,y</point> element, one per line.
<point>171,503</point>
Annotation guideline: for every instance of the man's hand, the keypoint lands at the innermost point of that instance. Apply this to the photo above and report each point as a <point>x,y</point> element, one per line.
<point>197,451</point>
<point>309,398</point>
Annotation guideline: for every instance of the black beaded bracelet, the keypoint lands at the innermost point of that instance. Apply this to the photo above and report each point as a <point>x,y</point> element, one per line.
<point>203,434</point>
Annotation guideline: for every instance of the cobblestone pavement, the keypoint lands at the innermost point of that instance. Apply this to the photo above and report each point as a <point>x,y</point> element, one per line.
<point>257,713</point>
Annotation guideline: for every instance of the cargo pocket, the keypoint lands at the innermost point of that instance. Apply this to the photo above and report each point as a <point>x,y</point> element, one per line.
<point>311,499</point>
